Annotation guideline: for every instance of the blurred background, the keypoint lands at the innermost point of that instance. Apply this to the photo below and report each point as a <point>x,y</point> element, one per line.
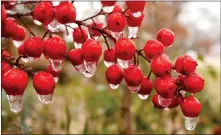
<point>81,105</point>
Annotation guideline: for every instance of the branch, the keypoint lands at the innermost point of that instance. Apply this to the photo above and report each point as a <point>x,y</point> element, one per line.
<point>26,26</point>
<point>99,13</point>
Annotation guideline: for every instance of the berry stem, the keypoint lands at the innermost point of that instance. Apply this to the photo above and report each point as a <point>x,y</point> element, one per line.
<point>26,26</point>
<point>149,74</point>
<point>105,39</point>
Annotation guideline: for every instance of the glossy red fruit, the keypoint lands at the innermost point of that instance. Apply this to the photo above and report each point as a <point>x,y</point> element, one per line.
<point>161,65</point>
<point>146,86</point>
<point>125,49</point>
<point>3,14</point>
<point>21,50</point>
<point>193,83</point>
<point>133,76</point>
<point>52,72</point>
<point>136,6</point>
<point>175,102</point>
<point>20,33</point>
<point>108,3</point>
<point>185,64</point>
<point>34,47</point>
<point>166,37</point>
<point>118,8</point>
<point>91,50</point>
<point>153,49</point>
<point>165,86</point>
<point>43,83</point>
<point>75,57</point>
<point>10,27</point>
<point>116,22</point>
<point>55,47</point>
<point>6,55</point>
<point>5,67</point>
<point>44,13</point>
<point>190,107</point>
<point>65,12</point>
<point>134,21</point>
<point>80,35</point>
<point>114,74</point>
<point>15,81</point>
<point>180,80</point>
<point>155,102</point>
<point>98,25</point>
<point>109,55</point>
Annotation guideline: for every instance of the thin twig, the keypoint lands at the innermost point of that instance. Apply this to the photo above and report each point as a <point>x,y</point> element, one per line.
<point>26,26</point>
<point>99,13</point>
<point>149,74</point>
<point>105,39</point>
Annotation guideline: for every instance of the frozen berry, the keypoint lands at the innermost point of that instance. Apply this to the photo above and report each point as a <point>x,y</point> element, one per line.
<point>20,33</point>
<point>161,65</point>
<point>5,67</point>
<point>109,55</point>
<point>175,102</point>
<point>55,47</point>
<point>116,22</point>
<point>43,83</point>
<point>80,35</point>
<point>75,57</point>
<point>136,6</point>
<point>34,47</point>
<point>10,27</point>
<point>114,74</point>
<point>52,72</point>
<point>153,49</point>
<point>15,81</point>
<point>190,107</point>
<point>118,8</point>
<point>133,76</point>
<point>156,102</point>
<point>125,49</point>
<point>134,21</point>
<point>193,83</point>
<point>146,86</point>
<point>98,25</point>
<point>65,12</point>
<point>166,37</point>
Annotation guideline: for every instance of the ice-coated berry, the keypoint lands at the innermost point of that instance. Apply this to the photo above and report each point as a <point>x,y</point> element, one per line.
<point>153,49</point>
<point>136,6</point>
<point>133,76</point>
<point>114,74</point>
<point>52,72</point>
<point>75,57</point>
<point>10,27</point>
<point>5,67</point>
<point>134,21</point>
<point>155,102</point>
<point>118,8</point>
<point>20,33</point>
<point>190,107</point>
<point>116,22</point>
<point>34,47</point>
<point>109,55</point>
<point>166,37</point>
<point>80,35</point>
<point>98,25</point>
<point>146,86</point>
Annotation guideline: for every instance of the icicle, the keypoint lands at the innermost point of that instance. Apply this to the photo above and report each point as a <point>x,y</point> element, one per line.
<point>17,43</point>
<point>124,63</point>
<point>77,45</point>
<point>134,89</point>
<point>46,99</point>
<point>165,102</point>
<point>190,123</point>
<point>108,64</point>
<point>15,102</point>
<point>108,9</point>
<point>37,22</point>
<point>54,26</point>
<point>90,69</point>
<point>143,97</point>
<point>56,64</point>
<point>114,86</point>
<point>132,32</point>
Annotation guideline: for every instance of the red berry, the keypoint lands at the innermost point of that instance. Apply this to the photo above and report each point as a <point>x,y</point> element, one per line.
<point>108,3</point>
<point>146,86</point>
<point>98,25</point>
<point>190,106</point>
<point>180,80</point>
<point>217,131</point>
<point>10,27</point>
<point>20,33</point>
<point>43,83</point>
<point>34,47</point>
<point>161,65</point>
<point>193,83</point>
<point>75,57</point>
<point>125,49</point>
<point>91,50</point>
<point>136,6</point>
<point>9,5</point>
<point>118,8</point>
<point>109,55</point>
<point>55,47</point>
<point>5,67</point>
<point>134,21</point>
<point>15,81</point>
<point>153,49</point>
<point>175,102</point>
<point>21,50</point>
<point>44,13</point>
<point>133,76</point>
<point>116,22</point>
<point>6,55</point>
<point>166,37</point>
<point>3,14</point>
<point>185,64</point>
<point>155,102</point>
<point>65,13</point>
<point>114,74</point>
<point>165,86</point>
<point>80,35</point>
<point>52,72</point>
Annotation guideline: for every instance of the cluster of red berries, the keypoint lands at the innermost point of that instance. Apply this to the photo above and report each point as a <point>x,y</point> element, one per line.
<point>119,59</point>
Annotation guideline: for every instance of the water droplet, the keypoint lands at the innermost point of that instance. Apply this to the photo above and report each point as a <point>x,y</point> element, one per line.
<point>165,102</point>
<point>108,64</point>
<point>117,35</point>
<point>96,37</point>
<point>56,64</point>
<point>134,89</point>
<point>143,97</point>
<point>114,86</point>
<point>56,79</point>
<point>137,14</point>
<point>108,9</point>
<point>190,123</point>
<point>166,108</point>
<point>15,102</point>
<point>55,3</point>
<point>26,60</point>
<point>124,63</point>
<point>77,45</point>
<point>45,99</point>
<point>17,43</point>
<point>132,32</point>
<point>90,69</point>
<point>54,26</point>
<point>33,58</point>
<point>37,22</point>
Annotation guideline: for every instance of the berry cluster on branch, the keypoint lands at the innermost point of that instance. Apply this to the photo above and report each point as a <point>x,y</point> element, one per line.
<point>122,60</point>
